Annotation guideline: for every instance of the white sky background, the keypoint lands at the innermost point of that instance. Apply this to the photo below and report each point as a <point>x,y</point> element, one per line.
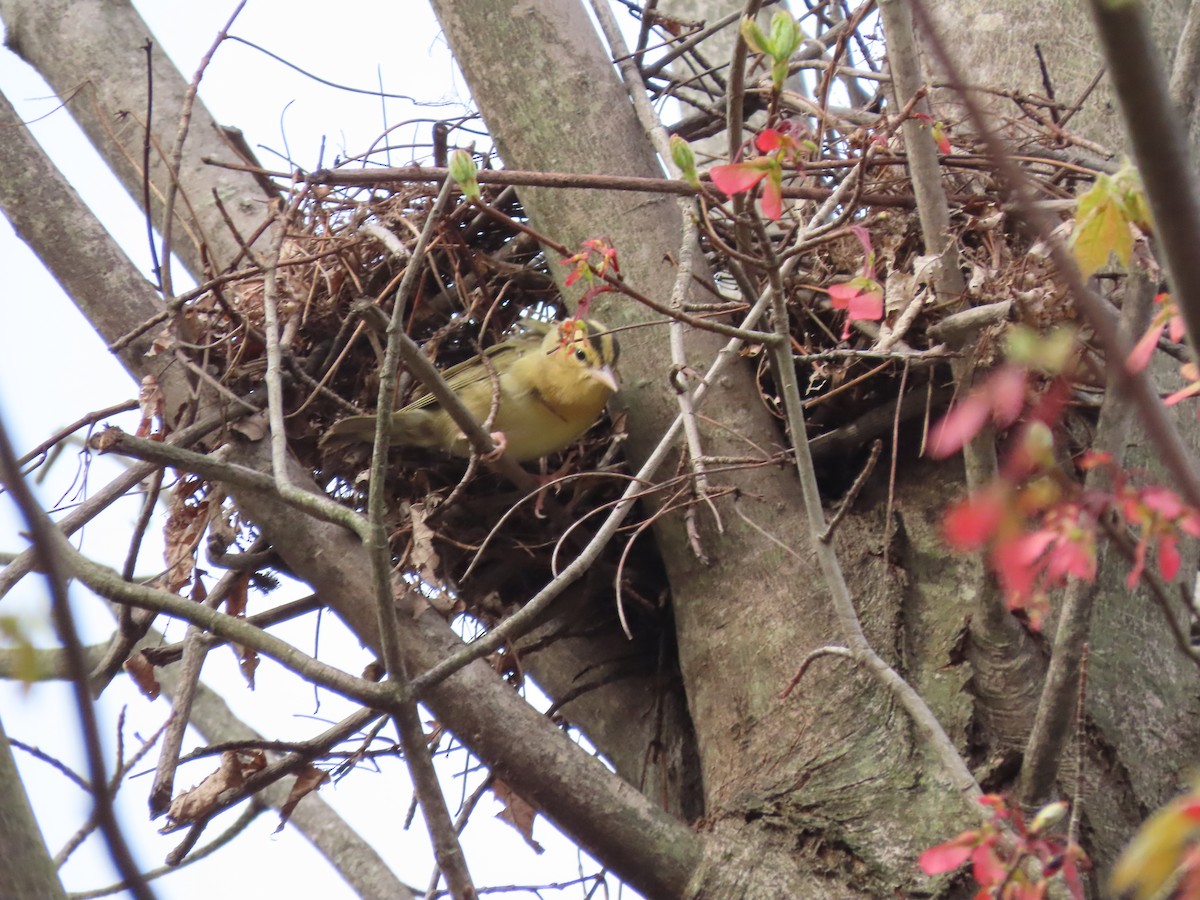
<point>53,369</point>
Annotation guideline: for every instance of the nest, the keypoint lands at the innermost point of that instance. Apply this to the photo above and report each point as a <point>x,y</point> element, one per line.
<point>481,276</point>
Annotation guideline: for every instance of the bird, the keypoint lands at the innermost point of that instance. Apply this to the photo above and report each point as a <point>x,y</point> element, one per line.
<point>554,380</point>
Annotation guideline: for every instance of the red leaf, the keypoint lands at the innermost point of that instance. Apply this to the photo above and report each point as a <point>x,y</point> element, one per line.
<point>1139,357</point>
<point>959,425</point>
<point>772,196</point>
<point>970,524</point>
<point>986,865</point>
<point>1139,562</point>
<point>1005,389</point>
<point>948,856</point>
<point>737,178</point>
<point>768,139</point>
<point>866,305</point>
<point>1168,556</point>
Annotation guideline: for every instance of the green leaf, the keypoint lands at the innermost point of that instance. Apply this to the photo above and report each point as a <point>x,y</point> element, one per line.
<point>753,35</point>
<point>1049,353</point>
<point>786,35</point>
<point>685,159</point>
<point>463,170</point>
<point>1101,228</point>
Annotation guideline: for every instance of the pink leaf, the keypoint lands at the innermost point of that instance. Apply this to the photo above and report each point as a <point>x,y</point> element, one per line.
<point>1182,394</point>
<point>1071,877</point>
<point>1164,502</point>
<point>1006,390</point>
<point>1189,523</point>
<point>768,139</point>
<point>1177,329</point>
<point>1168,556</point>
<point>737,178</point>
<point>959,425</point>
<point>949,856</point>
<point>864,238</point>
<point>1139,357</point>
<point>970,524</point>
<point>866,305</point>
<point>840,295</point>
<point>772,196</point>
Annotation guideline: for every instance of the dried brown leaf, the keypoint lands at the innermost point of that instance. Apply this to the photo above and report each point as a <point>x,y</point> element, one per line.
<point>152,402</point>
<point>517,812</point>
<point>307,781</point>
<point>424,556</point>
<point>202,800</point>
<point>141,670</point>
<point>187,517</point>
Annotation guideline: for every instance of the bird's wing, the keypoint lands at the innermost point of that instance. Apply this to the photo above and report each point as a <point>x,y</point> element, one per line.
<point>462,376</point>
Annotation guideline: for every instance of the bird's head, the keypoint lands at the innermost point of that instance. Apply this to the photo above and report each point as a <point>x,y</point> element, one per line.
<point>588,349</point>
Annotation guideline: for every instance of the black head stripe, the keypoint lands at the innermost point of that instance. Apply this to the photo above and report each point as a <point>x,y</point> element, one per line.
<point>604,344</point>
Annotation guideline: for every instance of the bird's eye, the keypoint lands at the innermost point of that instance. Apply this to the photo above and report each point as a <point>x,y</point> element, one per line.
<point>581,355</point>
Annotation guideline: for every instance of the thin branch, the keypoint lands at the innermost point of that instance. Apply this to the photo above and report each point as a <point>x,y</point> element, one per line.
<point>124,767</point>
<point>852,494</point>
<point>932,207</point>
<point>387,177</point>
<point>102,499</point>
<point>446,847</point>
<point>689,243</point>
<point>176,155</point>
<point>110,585</point>
<point>211,467</point>
<point>63,433</point>
<point>1047,740</point>
<point>1160,148</point>
<point>47,544</point>
<point>240,824</point>
<point>195,649</point>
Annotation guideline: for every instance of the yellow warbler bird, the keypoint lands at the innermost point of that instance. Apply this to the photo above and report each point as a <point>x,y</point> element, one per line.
<point>553,381</point>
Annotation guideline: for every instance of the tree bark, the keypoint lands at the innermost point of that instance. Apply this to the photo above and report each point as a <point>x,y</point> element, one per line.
<point>26,869</point>
<point>746,618</point>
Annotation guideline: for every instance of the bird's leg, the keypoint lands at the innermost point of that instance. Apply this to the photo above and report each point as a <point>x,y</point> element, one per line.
<point>501,443</point>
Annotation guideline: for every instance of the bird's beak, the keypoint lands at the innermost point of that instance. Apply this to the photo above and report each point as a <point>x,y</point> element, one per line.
<point>607,377</point>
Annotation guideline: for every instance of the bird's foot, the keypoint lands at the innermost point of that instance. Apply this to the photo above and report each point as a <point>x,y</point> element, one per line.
<point>501,443</point>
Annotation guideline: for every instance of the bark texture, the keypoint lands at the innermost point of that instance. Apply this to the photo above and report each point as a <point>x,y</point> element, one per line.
<point>836,762</point>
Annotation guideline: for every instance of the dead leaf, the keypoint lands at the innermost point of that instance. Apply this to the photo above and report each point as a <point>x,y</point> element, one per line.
<point>899,292</point>
<point>236,601</point>
<point>517,812</point>
<point>252,428</point>
<point>199,802</point>
<point>248,663</point>
<point>307,781</point>
<point>141,670</point>
<point>152,402</point>
<point>424,557</point>
<point>187,517</point>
